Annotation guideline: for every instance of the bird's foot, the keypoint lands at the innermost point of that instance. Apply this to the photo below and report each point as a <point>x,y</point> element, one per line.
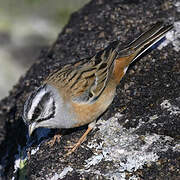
<point>75,146</point>
<point>57,137</point>
<point>80,141</point>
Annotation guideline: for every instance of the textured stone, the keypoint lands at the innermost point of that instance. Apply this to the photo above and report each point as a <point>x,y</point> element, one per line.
<point>138,136</point>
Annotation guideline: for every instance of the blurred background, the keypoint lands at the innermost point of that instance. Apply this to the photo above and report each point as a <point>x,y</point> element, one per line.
<point>27,26</point>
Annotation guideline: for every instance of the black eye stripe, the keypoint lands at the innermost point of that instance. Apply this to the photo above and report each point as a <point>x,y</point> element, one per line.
<point>52,115</point>
<point>36,113</point>
<point>39,108</point>
<point>31,98</point>
<point>45,98</point>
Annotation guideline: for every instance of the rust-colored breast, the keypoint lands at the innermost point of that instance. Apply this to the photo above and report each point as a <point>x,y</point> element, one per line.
<point>87,113</point>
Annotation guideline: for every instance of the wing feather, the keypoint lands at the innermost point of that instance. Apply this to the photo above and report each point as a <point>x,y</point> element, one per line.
<point>86,80</point>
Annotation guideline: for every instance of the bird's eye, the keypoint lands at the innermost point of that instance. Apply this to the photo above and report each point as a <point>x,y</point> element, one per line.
<point>37,112</point>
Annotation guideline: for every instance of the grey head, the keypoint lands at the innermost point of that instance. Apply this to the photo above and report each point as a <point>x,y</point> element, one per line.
<point>39,107</point>
<point>45,108</point>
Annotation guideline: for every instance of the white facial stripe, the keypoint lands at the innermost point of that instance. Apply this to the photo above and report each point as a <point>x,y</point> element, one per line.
<point>47,107</point>
<point>35,102</point>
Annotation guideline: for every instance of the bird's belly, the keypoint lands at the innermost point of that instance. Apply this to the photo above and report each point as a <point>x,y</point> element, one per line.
<point>87,113</point>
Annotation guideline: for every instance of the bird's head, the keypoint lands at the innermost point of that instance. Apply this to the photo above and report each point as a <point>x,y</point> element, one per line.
<point>40,108</point>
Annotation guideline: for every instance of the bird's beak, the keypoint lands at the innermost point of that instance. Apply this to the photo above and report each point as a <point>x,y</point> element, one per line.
<point>32,127</point>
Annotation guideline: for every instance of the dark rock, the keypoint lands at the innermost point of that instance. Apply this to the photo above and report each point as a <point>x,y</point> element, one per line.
<point>139,138</point>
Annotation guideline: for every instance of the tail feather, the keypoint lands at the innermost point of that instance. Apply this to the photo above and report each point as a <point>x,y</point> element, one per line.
<point>149,35</point>
<point>137,48</point>
<point>146,40</point>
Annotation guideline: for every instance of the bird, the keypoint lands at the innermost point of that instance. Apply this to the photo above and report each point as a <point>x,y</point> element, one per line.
<point>79,93</point>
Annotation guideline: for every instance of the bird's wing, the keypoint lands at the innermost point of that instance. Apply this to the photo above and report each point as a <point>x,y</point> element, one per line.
<point>85,81</point>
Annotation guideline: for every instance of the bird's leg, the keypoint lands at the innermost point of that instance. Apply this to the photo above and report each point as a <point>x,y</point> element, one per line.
<point>57,137</point>
<point>82,139</point>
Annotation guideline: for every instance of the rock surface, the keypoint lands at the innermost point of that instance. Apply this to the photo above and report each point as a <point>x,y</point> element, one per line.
<point>138,136</point>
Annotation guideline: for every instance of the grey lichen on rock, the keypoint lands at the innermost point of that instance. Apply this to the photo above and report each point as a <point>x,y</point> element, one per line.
<point>138,136</point>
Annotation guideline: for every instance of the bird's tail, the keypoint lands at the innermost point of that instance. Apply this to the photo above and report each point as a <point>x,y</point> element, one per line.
<point>135,49</point>
<point>145,41</point>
